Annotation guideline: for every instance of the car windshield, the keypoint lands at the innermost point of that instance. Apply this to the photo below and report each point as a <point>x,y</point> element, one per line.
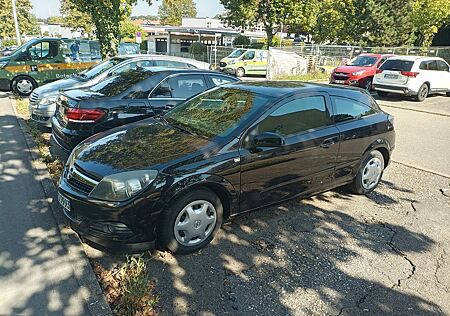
<point>237,53</point>
<point>120,83</point>
<point>99,68</point>
<point>397,64</point>
<point>363,61</point>
<point>216,112</point>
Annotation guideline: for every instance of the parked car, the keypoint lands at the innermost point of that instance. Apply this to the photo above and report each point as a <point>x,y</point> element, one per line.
<point>173,179</point>
<point>43,99</point>
<point>243,62</point>
<point>413,76</point>
<point>359,71</point>
<point>124,98</point>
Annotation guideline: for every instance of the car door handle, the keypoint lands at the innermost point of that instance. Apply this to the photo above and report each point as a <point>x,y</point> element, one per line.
<point>327,143</point>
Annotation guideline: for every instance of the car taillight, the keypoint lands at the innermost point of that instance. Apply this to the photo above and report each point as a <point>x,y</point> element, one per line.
<point>379,71</point>
<point>409,74</point>
<point>84,115</point>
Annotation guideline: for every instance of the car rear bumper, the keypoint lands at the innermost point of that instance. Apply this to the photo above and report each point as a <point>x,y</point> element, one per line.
<point>42,115</point>
<point>404,90</point>
<point>65,138</point>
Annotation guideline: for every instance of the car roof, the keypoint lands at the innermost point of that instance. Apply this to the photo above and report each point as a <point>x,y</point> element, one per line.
<point>282,88</point>
<point>376,55</point>
<point>158,56</point>
<point>160,69</point>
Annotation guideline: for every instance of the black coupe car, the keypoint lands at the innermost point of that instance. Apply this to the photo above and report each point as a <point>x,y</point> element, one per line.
<point>173,179</point>
<point>124,98</point>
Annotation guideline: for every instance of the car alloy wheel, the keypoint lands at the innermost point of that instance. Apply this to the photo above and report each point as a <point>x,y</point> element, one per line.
<point>423,93</point>
<point>195,223</point>
<point>240,72</point>
<point>368,84</point>
<point>372,173</point>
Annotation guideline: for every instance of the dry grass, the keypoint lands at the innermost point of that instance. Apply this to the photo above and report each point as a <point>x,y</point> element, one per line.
<point>128,288</point>
<point>312,76</point>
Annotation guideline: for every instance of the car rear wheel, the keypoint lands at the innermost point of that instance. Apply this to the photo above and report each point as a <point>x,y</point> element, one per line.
<point>423,93</point>
<point>369,174</point>
<point>382,94</point>
<point>448,94</point>
<point>367,85</point>
<point>191,222</point>
<point>240,72</point>
<point>23,85</point>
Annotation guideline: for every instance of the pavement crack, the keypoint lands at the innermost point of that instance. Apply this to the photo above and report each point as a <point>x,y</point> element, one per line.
<point>439,262</point>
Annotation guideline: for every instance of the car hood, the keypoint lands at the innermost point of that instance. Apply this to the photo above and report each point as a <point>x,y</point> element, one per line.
<point>351,69</point>
<point>54,87</point>
<point>146,144</point>
<point>82,94</point>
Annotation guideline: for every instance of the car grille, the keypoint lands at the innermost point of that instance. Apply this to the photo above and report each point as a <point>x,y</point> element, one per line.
<point>34,98</point>
<point>222,64</point>
<point>341,76</point>
<point>79,181</point>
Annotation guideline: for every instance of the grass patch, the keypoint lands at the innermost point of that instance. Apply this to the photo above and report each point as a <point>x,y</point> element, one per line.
<point>128,288</point>
<point>312,76</point>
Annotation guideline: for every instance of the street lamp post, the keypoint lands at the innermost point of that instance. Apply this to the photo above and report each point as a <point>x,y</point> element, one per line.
<point>16,23</point>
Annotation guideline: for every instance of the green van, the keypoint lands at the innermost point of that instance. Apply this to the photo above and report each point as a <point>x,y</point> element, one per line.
<point>244,61</point>
<point>44,60</point>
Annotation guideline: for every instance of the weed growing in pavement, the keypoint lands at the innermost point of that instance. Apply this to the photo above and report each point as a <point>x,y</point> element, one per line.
<point>128,288</point>
<point>312,76</point>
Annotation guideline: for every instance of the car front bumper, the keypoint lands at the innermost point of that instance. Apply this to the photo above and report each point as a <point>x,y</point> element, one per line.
<point>348,82</point>
<point>43,114</point>
<point>67,139</point>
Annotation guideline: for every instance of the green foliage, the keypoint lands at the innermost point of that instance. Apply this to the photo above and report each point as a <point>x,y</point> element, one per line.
<point>311,76</point>
<point>271,14</point>
<point>128,30</point>
<point>56,20</point>
<point>257,45</point>
<point>197,48</point>
<point>27,21</point>
<point>241,40</point>
<point>276,42</point>
<point>144,17</point>
<point>75,18</point>
<point>428,17</point>
<point>170,12</point>
<point>107,16</point>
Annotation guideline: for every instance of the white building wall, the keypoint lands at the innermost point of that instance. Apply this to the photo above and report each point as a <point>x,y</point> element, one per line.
<point>201,22</point>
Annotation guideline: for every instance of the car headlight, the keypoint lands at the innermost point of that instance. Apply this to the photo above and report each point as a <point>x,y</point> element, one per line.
<point>3,64</point>
<point>122,186</point>
<point>357,73</point>
<point>48,100</point>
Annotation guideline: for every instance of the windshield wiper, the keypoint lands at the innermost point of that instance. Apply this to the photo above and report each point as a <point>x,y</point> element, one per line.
<point>182,127</point>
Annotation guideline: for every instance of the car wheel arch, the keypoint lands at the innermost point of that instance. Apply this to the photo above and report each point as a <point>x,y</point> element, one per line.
<point>382,146</point>
<point>22,75</point>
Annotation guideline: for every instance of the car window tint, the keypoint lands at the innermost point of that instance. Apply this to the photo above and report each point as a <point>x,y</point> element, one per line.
<point>220,80</point>
<point>442,66</point>
<point>170,63</point>
<point>185,86</point>
<point>249,55</point>
<point>382,60</point>
<point>120,83</point>
<point>296,116</point>
<point>397,64</point>
<point>139,90</point>
<point>126,67</point>
<point>162,91</point>
<point>43,50</point>
<point>348,109</point>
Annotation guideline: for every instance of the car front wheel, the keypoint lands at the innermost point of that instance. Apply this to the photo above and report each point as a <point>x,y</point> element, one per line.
<point>369,174</point>
<point>191,222</point>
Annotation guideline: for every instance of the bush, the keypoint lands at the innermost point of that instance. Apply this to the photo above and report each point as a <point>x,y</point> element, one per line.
<point>241,40</point>
<point>197,48</point>
<point>257,45</point>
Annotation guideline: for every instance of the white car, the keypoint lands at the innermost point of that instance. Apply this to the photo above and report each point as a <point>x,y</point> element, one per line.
<point>413,76</point>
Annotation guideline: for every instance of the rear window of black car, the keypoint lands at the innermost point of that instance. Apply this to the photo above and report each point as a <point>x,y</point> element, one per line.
<point>120,83</point>
<point>397,64</point>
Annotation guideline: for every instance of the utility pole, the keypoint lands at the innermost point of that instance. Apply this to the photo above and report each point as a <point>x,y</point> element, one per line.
<point>16,23</point>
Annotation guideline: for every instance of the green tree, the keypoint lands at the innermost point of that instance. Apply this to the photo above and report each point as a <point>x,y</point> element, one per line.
<point>56,20</point>
<point>27,21</point>
<point>107,16</point>
<point>76,19</point>
<point>272,14</point>
<point>241,40</point>
<point>171,12</point>
<point>128,30</point>
<point>428,17</point>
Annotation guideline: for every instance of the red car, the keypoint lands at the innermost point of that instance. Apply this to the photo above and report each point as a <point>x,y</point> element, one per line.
<point>359,71</point>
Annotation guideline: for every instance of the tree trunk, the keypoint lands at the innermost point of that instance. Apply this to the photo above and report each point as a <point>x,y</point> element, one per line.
<point>269,33</point>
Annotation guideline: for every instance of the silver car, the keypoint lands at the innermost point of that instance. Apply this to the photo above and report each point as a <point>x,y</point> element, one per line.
<point>43,99</point>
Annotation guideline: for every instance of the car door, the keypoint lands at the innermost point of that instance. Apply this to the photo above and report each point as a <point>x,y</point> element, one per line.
<point>250,62</point>
<point>444,74</point>
<point>304,161</point>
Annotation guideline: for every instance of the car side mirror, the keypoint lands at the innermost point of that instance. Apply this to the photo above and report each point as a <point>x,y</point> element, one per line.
<point>268,139</point>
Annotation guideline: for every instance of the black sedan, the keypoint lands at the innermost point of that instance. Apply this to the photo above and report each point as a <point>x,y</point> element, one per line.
<point>125,98</point>
<point>173,179</point>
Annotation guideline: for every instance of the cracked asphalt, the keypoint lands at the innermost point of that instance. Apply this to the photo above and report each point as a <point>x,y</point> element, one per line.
<point>332,254</point>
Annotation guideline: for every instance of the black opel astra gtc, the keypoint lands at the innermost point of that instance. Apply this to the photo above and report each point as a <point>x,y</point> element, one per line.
<point>171,180</point>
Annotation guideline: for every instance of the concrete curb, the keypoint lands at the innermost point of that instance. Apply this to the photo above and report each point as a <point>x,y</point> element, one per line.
<point>82,270</point>
<point>414,110</point>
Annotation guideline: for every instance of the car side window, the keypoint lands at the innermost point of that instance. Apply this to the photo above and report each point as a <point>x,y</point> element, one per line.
<point>296,116</point>
<point>162,91</point>
<point>382,60</point>
<point>428,65</point>
<point>170,63</point>
<point>185,86</point>
<point>140,90</point>
<point>249,55</point>
<point>442,66</point>
<point>347,109</point>
<point>220,80</point>
<point>127,67</point>
<point>43,50</point>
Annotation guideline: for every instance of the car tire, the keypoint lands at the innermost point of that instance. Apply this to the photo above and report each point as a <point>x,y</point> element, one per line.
<point>198,211</point>
<point>382,94</point>
<point>369,174</point>
<point>23,85</point>
<point>240,72</point>
<point>423,93</point>
<point>448,94</point>
<point>367,84</point>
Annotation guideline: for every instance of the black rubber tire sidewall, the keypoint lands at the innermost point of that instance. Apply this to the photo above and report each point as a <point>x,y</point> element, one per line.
<point>16,80</point>
<point>382,94</point>
<point>356,185</point>
<point>365,84</point>
<point>418,96</point>
<point>166,236</point>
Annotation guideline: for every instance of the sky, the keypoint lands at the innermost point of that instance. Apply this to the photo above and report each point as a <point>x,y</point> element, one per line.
<point>205,8</point>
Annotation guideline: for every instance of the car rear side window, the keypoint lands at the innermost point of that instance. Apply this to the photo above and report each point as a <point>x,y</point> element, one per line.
<point>428,65</point>
<point>185,86</point>
<point>297,116</point>
<point>170,63</point>
<point>163,91</point>
<point>397,64</point>
<point>347,109</point>
<point>442,66</point>
<point>220,80</point>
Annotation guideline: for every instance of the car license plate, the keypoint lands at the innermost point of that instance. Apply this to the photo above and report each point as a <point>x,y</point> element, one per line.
<point>339,81</point>
<point>64,202</point>
<point>390,76</point>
